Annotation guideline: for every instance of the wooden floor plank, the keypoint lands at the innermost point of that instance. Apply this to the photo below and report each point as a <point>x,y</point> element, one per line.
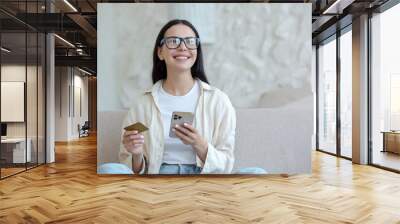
<point>70,191</point>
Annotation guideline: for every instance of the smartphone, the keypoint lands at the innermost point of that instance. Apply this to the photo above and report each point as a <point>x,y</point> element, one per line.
<point>178,118</point>
<point>136,126</point>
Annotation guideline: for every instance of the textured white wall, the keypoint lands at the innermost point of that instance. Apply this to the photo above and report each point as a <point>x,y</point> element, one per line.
<point>252,51</point>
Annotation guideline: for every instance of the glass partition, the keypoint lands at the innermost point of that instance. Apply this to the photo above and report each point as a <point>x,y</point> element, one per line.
<point>13,103</point>
<point>22,88</point>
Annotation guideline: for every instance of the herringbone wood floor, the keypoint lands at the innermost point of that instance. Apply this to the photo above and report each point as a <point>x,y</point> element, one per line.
<point>70,191</point>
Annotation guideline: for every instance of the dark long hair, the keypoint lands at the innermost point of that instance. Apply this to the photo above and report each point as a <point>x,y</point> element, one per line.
<point>160,68</point>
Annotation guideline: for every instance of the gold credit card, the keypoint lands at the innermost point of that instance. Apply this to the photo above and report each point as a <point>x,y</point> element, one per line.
<point>136,126</point>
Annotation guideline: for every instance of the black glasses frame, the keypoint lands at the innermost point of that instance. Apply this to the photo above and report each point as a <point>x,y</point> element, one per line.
<point>181,39</point>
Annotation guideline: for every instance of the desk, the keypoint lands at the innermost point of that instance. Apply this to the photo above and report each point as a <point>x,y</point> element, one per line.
<point>391,141</point>
<point>13,150</point>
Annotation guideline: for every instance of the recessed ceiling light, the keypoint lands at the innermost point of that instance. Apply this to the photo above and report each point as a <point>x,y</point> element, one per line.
<point>86,72</point>
<point>5,50</point>
<point>70,5</point>
<point>64,40</point>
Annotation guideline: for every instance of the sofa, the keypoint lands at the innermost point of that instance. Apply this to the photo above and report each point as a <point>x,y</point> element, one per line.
<point>277,139</point>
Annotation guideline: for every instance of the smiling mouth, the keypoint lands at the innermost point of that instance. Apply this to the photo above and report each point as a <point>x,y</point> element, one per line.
<point>181,57</point>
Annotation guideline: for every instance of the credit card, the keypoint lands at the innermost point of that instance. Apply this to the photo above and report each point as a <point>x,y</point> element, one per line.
<point>136,126</point>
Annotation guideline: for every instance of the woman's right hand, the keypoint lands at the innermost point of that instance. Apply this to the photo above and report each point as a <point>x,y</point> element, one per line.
<point>133,142</point>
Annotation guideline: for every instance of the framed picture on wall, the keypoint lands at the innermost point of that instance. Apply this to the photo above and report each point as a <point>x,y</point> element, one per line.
<point>12,101</point>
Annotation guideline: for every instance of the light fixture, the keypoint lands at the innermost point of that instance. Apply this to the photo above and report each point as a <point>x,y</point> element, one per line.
<point>337,7</point>
<point>86,72</point>
<point>70,5</point>
<point>5,50</point>
<point>64,40</point>
<point>80,51</point>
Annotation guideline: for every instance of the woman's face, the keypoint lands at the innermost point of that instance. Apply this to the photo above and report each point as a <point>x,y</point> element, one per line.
<point>181,58</point>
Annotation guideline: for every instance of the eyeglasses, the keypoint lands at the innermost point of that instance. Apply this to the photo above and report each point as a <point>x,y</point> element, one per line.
<point>174,42</point>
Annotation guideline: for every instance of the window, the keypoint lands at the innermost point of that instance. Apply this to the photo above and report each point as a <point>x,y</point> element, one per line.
<point>327,97</point>
<point>385,89</point>
<point>346,94</point>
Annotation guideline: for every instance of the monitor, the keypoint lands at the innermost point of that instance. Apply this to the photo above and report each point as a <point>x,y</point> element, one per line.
<point>3,129</point>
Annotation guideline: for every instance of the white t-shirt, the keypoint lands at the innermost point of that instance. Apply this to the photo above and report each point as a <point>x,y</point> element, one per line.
<point>175,151</point>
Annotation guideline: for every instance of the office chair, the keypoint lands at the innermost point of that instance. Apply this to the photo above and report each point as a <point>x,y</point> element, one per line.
<point>84,130</point>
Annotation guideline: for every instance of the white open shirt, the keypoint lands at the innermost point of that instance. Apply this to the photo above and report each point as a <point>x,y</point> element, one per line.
<point>215,120</point>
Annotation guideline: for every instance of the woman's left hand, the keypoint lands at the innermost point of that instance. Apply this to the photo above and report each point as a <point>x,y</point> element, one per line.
<point>190,136</point>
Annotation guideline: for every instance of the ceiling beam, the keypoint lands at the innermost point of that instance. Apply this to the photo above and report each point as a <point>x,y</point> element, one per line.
<point>84,61</point>
<point>85,25</point>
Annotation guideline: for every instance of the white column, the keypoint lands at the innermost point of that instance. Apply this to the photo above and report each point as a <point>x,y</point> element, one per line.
<point>50,109</point>
<point>360,90</point>
<point>50,92</point>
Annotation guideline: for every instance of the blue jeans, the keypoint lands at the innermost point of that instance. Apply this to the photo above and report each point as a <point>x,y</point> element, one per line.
<point>179,169</point>
<point>113,168</point>
<point>118,168</point>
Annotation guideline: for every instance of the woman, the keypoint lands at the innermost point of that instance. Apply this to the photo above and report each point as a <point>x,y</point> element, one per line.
<point>180,84</point>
